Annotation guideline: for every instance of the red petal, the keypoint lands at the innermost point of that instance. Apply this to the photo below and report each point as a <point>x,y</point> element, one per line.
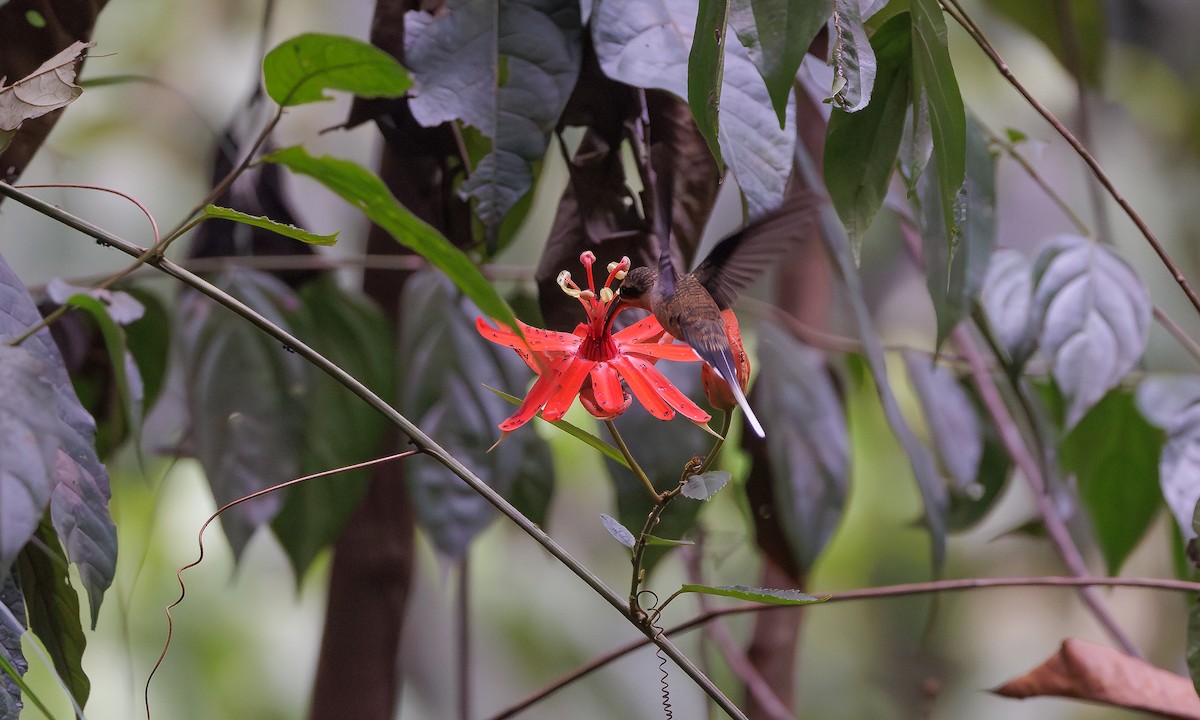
<point>533,402</point>
<point>566,388</point>
<point>606,387</point>
<point>633,370</point>
<point>659,351</point>
<point>536,339</point>
<point>663,390</point>
<point>641,331</point>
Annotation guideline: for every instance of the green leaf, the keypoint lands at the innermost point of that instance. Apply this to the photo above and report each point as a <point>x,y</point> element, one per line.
<point>934,84</point>
<point>617,530</point>
<point>53,607</point>
<point>149,341</point>
<point>506,69</point>
<point>266,223</point>
<point>706,66</point>
<point>777,34</point>
<point>853,58</point>
<point>1092,315</point>
<point>759,595</point>
<point>365,190</point>
<point>301,69</point>
<point>341,430</point>
<point>574,431</point>
<point>1042,20</point>
<point>655,541</point>
<point>861,147</point>
<point>955,278</point>
<point>1113,453</point>
<point>705,485</point>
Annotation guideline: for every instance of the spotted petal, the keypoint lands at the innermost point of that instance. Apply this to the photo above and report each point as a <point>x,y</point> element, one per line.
<point>662,389</point>
<point>606,387</point>
<point>566,388</point>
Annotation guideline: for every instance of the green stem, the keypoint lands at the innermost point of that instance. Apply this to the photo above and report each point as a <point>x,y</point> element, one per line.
<point>416,436</point>
<point>726,422</point>
<point>637,469</point>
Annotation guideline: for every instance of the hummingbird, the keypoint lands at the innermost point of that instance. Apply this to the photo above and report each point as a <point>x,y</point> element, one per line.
<point>689,306</point>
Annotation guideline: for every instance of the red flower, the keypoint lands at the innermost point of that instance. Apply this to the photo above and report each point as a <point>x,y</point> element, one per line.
<point>592,361</point>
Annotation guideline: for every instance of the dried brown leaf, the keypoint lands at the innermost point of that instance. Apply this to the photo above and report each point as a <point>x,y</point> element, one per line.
<point>1103,675</point>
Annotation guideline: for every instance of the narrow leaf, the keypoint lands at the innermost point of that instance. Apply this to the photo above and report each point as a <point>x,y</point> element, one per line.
<point>777,34</point>
<point>706,67</point>
<point>617,530</point>
<point>853,57</point>
<point>655,541</point>
<point>758,595</point>
<point>861,148</point>
<point>574,431</point>
<point>12,627</point>
<point>1092,315</point>
<point>301,69</point>
<point>705,485</point>
<point>266,223</point>
<point>935,86</point>
<point>53,608</point>
<point>1113,453</point>
<point>954,278</point>
<point>365,190</point>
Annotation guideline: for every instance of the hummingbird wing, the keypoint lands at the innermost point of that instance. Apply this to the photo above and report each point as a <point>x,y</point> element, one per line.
<point>709,341</point>
<point>740,258</point>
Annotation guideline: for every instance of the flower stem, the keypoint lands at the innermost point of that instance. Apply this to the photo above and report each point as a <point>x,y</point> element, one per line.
<point>637,469</point>
<point>726,422</point>
<point>639,549</point>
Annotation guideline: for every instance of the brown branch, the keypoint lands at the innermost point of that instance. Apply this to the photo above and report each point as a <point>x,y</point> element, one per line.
<point>874,593</point>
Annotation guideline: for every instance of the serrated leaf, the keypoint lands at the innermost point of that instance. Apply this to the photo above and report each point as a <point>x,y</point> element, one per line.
<point>706,67</point>
<point>646,44</point>
<point>808,446</point>
<point>53,608</point>
<point>363,189</point>
<point>1172,403</point>
<point>955,433</point>
<point>1113,453</point>
<point>1092,317</point>
<point>618,531</point>
<point>861,147</point>
<point>853,57</point>
<point>80,494</point>
<point>777,34</point>
<point>1007,297</point>
<point>506,69</point>
<point>445,366</point>
<point>954,278</point>
<point>705,485</point>
<point>46,89</point>
<point>299,70</point>
<point>341,430</point>
<point>247,397</point>
<point>574,431</point>
<point>266,223</point>
<point>935,86</point>
<point>759,595</point>
<point>28,451</point>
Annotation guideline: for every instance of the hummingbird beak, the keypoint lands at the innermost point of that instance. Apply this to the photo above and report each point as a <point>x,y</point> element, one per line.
<point>615,307</point>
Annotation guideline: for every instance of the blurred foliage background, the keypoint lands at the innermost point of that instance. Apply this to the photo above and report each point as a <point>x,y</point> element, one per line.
<point>247,637</point>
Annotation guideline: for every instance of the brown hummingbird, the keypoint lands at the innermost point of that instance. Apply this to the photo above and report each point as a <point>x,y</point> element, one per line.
<point>689,306</point>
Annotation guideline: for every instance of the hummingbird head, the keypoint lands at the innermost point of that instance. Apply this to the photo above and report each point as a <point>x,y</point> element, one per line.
<point>635,290</point>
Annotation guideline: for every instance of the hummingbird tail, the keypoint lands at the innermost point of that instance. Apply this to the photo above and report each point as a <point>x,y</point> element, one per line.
<point>722,362</point>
